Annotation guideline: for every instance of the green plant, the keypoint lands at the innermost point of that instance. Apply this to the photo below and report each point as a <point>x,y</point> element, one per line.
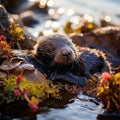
<point>5,50</point>
<point>16,33</point>
<point>19,88</point>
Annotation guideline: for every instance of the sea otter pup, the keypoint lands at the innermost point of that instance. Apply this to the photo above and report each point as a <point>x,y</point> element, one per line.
<point>62,60</point>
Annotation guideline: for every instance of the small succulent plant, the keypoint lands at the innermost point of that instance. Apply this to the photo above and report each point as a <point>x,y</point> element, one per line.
<point>16,33</point>
<point>19,88</point>
<point>109,91</point>
<point>5,50</point>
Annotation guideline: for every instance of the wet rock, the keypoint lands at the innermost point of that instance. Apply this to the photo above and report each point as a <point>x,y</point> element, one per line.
<point>17,65</point>
<point>14,6</point>
<point>84,25</point>
<point>4,20</point>
<point>28,42</point>
<point>105,38</point>
<point>106,21</point>
<point>18,6</point>
<point>7,25</point>
<point>29,18</point>
<point>38,6</point>
<point>109,116</point>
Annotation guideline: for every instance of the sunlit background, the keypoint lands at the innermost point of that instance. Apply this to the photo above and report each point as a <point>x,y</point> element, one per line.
<point>63,10</point>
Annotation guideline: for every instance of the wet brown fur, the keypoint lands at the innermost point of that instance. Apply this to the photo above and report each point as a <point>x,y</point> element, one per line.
<point>61,59</point>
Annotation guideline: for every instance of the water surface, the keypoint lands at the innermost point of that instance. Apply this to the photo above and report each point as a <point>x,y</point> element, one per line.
<point>61,11</point>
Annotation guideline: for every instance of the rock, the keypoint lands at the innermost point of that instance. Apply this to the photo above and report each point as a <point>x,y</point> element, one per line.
<point>19,6</point>
<point>14,6</point>
<point>4,20</point>
<point>18,65</point>
<point>29,18</point>
<point>106,39</point>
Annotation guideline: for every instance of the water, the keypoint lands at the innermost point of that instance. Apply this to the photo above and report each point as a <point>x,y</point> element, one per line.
<point>64,10</point>
<point>80,108</point>
<point>69,108</point>
<point>91,6</point>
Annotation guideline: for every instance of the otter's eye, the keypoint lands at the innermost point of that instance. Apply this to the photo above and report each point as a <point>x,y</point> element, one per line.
<point>49,48</point>
<point>69,44</point>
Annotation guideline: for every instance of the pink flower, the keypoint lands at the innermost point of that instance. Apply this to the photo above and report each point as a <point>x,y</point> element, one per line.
<point>2,37</point>
<point>18,79</point>
<point>33,106</point>
<point>17,92</point>
<point>25,91</point>
<point>105,77</point>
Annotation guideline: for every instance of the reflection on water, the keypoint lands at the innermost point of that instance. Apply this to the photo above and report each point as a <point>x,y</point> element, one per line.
<point>61,11</point>
<point>80,109</point>
<point>69,107</point>
<point>91,6</point>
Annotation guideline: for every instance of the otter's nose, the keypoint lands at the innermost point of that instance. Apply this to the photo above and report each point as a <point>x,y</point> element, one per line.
<point>66,52</point>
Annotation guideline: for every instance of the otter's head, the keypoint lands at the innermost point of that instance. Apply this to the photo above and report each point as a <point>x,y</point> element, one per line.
<point>55,48</point>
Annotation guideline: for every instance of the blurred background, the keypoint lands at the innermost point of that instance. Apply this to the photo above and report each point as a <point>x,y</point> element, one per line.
<point>43,17</point>
<point>48,16</point>
<point>94,10</point>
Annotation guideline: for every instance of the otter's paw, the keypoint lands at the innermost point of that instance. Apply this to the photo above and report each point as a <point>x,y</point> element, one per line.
<point>68,77</point>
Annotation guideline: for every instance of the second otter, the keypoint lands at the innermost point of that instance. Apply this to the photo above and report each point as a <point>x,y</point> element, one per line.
<point>62,60</point>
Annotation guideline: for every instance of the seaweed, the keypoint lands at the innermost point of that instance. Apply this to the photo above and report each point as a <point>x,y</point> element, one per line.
<point>16,33</point>
<point>5,49</point>
<point>19,88</point>
<point>109,91</point>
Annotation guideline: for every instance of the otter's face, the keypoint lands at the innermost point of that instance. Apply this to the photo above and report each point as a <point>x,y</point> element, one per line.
<point>64,52</point>
<point>57,48</point>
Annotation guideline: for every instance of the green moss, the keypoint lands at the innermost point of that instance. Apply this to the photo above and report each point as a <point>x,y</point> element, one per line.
<point>41,89</point>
